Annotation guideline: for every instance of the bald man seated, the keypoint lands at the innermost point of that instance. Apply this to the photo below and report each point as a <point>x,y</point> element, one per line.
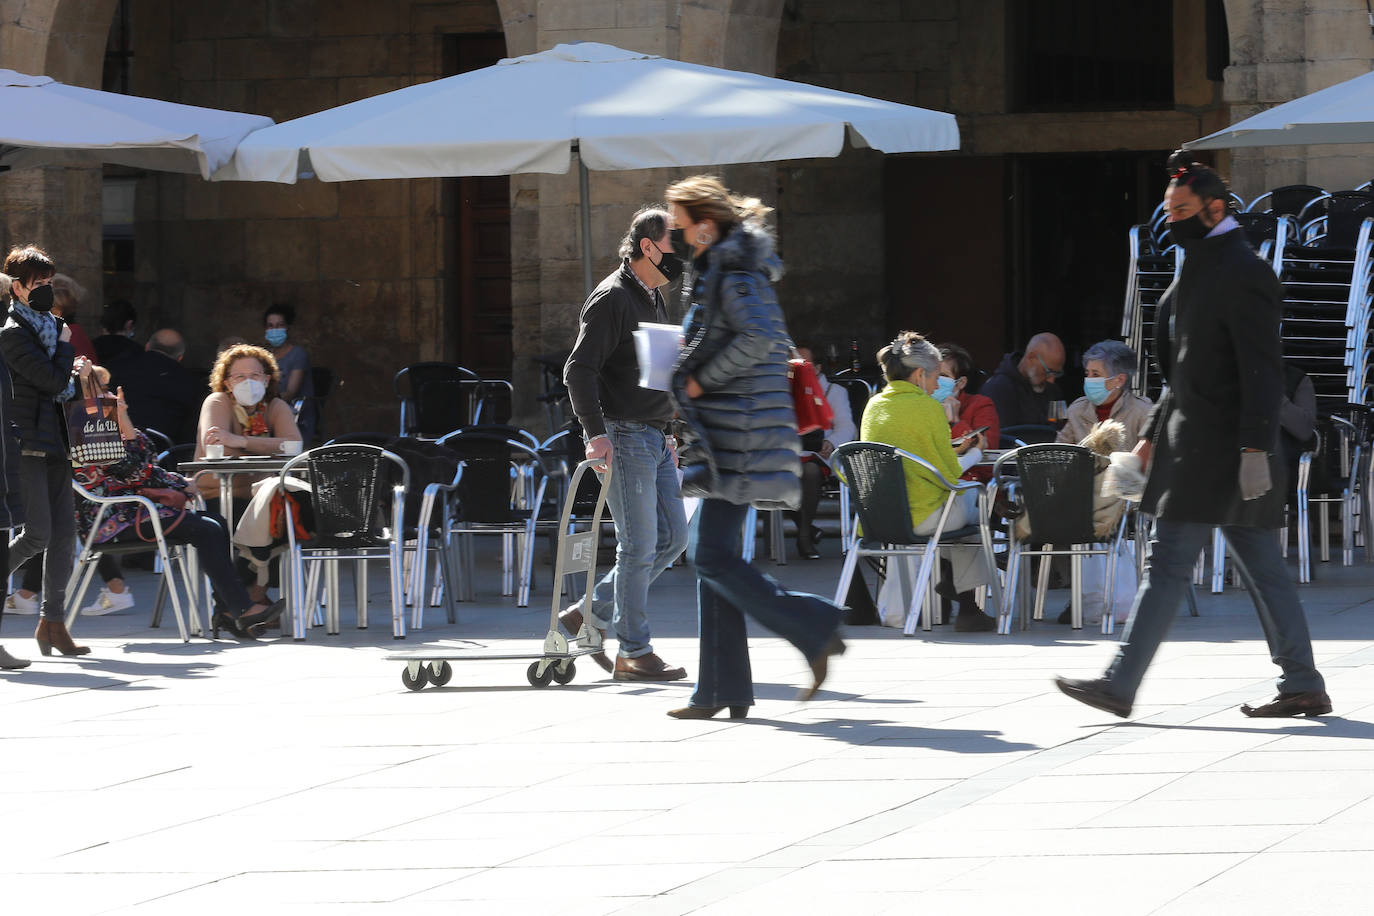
<point>1024,384</point>
<point>161,394</point>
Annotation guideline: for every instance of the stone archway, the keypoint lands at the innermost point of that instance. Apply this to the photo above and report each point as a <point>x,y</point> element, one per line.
<point>57,208</point>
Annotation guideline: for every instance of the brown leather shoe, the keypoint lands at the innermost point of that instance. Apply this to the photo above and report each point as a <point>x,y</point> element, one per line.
<point>646,668</point>
<point>571,620</point>
<point>1288,705</point>
<point>1093,693</point>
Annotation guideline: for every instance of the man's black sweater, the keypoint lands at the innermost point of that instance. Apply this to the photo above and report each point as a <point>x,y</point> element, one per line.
<point>602,372</point>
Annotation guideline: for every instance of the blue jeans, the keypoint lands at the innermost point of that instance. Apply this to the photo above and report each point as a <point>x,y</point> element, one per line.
<point>650,531</point>
<point>1168,576</point>
<point>729,588</point>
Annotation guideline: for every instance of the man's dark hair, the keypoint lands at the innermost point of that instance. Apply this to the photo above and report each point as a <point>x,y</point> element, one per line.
<point>116,315</point>
<point>1185,171</point>
<point>287,313</point>
<point>649,223</point>
<point>27,263</point>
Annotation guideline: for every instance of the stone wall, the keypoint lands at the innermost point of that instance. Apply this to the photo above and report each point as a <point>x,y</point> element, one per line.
<point>1279,52</point>
<point>56,208</point>
<point>361,261</point>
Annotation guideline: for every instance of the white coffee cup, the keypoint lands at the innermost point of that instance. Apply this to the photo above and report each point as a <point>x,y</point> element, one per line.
<point>214,452</point>
<point>291,447</point>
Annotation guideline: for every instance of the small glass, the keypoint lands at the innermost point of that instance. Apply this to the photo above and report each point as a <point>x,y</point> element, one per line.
<point>1058,413</point>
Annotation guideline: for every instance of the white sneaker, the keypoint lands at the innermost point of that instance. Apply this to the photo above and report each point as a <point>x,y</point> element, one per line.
<point>109,602</point>
<point>18,604</point>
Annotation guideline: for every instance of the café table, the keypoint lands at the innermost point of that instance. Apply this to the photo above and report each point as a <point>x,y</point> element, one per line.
<point>227,468</point>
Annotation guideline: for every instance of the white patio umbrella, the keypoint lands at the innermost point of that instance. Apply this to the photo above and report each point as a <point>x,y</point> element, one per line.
<point>618,109</point>
<point>48,123</point>
<point>1343,113</point>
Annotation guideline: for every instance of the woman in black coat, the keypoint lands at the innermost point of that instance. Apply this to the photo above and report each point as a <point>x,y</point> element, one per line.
<point>741,448</point>
<point>1211,446</point>
<point>43,367</point>
<point>11,509</point>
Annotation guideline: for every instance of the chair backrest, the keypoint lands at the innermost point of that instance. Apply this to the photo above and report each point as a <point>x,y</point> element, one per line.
<point>485,488</point>
<point>365,438</point>
<point>170,459</point>
<point>1025,434</point>
<point>351,490</point>
<point>1345,210</point>
<point>1289,199</point>
<point>409,380</point>
<point>1056,484</point>
<point>1258,227</point>
<point>441,406</point>
<point>876,476</point>
<point>161,441</point>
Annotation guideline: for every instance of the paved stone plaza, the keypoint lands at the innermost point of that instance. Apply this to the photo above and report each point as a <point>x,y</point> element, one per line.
<point>939,774</point>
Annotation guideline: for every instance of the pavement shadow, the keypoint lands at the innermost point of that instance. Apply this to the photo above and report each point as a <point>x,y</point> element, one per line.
<point>195,647</point>
<point>882,731</point>
<point>1319,727</point>
<point>145,669</point>
<point>72,679</point>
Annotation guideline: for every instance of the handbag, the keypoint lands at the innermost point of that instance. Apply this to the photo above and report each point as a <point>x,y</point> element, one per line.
<point>162,496</point>
<point>92,426</point>
<point>813,410</point>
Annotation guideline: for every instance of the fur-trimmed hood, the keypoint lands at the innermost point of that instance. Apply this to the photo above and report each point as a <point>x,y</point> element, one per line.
<point>749,246</point>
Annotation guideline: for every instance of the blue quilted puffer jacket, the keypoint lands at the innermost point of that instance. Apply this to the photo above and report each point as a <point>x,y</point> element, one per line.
<point>741,434</point>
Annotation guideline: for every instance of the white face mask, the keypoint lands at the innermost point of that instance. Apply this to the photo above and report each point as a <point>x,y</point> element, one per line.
<point>249,391</point>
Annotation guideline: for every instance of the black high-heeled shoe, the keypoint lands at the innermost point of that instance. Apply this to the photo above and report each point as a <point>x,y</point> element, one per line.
<point>820,666</point>
<point>263,618</point>
<point>223,620</point>
<point>707,712</point>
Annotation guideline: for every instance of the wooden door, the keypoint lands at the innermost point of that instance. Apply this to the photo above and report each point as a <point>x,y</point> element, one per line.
<point>479,261</point>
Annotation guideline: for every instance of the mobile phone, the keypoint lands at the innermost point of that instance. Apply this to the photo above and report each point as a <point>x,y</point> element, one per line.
<point>970,435</point>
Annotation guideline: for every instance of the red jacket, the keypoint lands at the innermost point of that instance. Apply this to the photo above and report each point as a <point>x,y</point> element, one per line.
<point>976,410</point>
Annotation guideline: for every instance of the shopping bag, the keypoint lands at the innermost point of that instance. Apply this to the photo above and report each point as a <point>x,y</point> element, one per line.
<point>1095,584</point>
<point>92,425</point>
<point>813,410</point>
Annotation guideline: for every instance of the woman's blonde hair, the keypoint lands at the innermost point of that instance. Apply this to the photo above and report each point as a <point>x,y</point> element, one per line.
<point>705,197</point>
<point>219,376</point>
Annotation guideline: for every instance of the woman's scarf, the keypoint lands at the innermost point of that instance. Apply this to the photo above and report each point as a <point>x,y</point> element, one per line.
<point>46,326</point>
<point>252,420</point>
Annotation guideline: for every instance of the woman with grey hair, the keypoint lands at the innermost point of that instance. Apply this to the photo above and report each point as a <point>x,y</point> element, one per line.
<point>905,414</point>
<point>1109,366</point>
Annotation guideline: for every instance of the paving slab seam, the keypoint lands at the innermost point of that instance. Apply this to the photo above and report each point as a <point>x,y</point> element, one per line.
<point>939,802</point>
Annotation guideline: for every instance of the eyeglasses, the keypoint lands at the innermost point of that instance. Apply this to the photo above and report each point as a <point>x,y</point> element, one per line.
<point>1049,373</point>
<point>250,377</point>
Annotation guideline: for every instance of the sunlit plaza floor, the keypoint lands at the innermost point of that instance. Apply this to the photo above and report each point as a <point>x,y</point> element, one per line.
<point>940,774</point>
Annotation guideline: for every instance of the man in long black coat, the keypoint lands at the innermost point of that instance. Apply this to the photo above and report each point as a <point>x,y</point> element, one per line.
<point>1211,447</point>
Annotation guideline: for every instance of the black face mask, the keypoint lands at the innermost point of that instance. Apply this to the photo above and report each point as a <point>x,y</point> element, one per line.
<point>670,266</point>
<point>680,247</point>
<point>40,299</point>
<point>1189,230</point>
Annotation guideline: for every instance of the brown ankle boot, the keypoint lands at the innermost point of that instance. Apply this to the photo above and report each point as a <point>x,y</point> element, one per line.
<point>52,634</point>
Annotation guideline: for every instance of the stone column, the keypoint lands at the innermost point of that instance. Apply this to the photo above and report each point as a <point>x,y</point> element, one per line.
<point>57,208</point>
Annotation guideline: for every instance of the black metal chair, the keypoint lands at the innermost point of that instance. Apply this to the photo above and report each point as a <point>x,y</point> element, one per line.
<point>1054,485</point>
<point>499,491</point>
<point>1289,200</point>
<point>357,500</point>
<point>875,474</point>
<point>436,398</point>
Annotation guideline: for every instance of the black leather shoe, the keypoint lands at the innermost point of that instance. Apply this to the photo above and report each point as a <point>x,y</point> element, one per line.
<point>1093,693</point>
<point>1288,705</point>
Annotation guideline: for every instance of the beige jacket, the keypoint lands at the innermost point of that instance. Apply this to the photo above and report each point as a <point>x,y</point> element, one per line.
<point>1130,410</point>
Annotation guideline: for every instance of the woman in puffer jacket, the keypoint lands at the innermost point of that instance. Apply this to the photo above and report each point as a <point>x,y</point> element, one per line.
<point>741,446</point>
